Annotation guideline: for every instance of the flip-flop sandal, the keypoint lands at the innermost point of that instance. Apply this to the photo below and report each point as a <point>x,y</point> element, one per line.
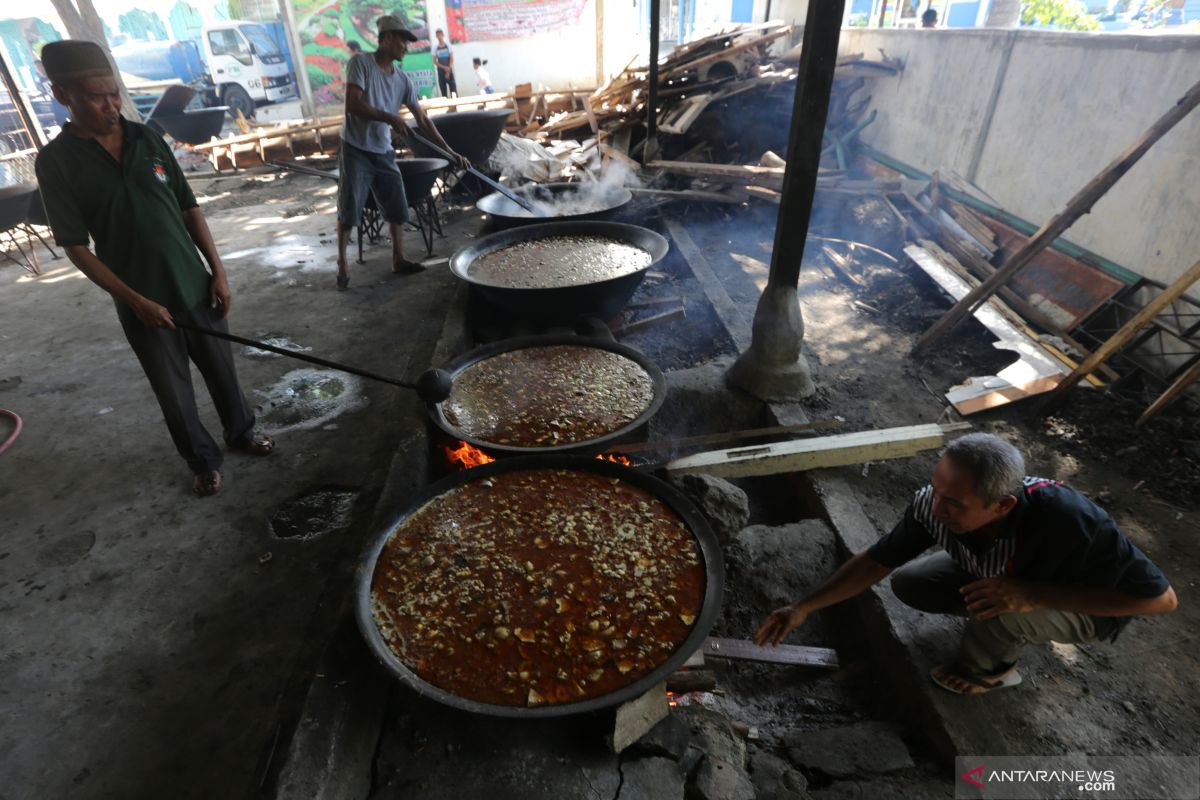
<point>206,484</point>
<point>343,282</point>
<point>258,444</point>
<point>408,267</point>
<point>976,685</point>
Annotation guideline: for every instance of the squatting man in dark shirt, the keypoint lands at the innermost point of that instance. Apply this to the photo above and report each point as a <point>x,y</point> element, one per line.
<point>1026,560</point>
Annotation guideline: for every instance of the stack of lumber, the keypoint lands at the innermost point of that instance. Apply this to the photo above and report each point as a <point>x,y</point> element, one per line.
<point>288,140</point>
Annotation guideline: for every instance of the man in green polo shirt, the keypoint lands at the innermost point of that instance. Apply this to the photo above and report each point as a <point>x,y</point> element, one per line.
<point>118,182</point>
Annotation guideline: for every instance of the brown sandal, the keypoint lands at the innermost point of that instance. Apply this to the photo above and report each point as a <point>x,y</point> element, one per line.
<point>257,444</point>
<point>206,484</point>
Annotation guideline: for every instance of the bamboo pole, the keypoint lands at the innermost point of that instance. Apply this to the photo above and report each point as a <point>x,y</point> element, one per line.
<point>1079,205</point>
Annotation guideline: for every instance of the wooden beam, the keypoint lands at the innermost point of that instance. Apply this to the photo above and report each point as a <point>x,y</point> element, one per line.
<point>838,450</point>
<point>1125,334</point>
<point>729,312</point>
<point>1079,205</point>
<point>1170,395</point>
<point>796,655</point>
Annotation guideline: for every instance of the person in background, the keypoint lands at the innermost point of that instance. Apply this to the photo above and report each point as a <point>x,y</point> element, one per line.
<point>354,47</point>
<point>118,183</point>
<point>1025,560</point>
<point>444,59</point>
<point>929,18</point>
<point>482,78</point>
<point>375,90</point>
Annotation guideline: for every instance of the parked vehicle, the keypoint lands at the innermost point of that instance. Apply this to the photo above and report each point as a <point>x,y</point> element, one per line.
<point>246,65</point>
<point>149,67</point>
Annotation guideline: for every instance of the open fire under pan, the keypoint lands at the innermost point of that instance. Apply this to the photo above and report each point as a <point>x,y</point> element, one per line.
<point>710,552</point>
<point>603,299</point>
<point>588,447</point>
<point>507,214</point>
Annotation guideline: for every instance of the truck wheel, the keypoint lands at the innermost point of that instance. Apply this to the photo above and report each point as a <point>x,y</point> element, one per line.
<point>238,100</point>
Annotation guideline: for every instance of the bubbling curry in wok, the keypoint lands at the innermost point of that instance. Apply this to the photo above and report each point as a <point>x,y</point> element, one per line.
<point>558,261</point>
<point>538,587</point>
<point>546,396</point>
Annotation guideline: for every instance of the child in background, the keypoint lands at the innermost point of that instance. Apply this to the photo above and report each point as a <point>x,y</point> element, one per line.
<point>481,76</point>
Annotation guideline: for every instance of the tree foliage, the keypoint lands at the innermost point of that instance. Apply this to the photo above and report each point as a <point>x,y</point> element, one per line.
<point>1065,15</point>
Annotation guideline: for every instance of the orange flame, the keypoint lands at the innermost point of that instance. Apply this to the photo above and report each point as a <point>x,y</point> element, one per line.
<point>465,456</point>
<point>616,458</point>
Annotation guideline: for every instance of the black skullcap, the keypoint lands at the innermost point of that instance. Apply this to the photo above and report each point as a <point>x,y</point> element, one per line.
<point>71,59</point>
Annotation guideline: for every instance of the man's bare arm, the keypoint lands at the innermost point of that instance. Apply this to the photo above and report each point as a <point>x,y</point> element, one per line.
<point>197,228</point>
<point>432,133</point>
<point>992,597</point>
<point>857,575</point>
<point>357,106</point>
<point>148,311</point>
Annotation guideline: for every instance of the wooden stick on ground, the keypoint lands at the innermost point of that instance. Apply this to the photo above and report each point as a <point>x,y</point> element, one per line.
<point>1125,334</point>
<point>1079,205</point>
<point>1170,395</point>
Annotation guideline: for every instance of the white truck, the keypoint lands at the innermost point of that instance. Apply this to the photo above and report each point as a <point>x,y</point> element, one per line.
<point>246,65</point>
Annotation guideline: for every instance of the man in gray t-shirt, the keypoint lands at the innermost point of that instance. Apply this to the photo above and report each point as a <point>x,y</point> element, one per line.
<point>375,90</point>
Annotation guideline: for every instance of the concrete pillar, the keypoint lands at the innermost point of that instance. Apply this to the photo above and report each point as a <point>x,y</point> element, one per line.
<point>773,368</point>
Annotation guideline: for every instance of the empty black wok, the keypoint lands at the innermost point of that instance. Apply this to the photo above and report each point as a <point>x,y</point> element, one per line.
<point>590,447</point>
<point>473,134</point>
<point>419,175</point>
<point>603,299</point>
<point>507,214</point>
<point>710,551</point>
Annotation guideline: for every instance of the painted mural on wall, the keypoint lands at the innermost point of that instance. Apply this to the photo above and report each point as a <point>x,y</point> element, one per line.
<point>325,29</point>
<point>483,20</point>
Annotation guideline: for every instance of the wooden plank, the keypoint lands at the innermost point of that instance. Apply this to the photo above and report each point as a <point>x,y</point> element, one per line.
<point>795,655</point>
<point>1035,372</point>
<point>729,312</point>
<point>981,269</point>
<point>1170,395</point>
<point>724,173</point>
<point>838,450</point>
<point>763,193</point>
<point>693,195</point>
<point>1079,205</point>
<point>725,53</point>
<point>1127,332</point>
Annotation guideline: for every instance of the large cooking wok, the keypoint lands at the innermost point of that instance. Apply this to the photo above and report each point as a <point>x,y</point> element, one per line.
<point>589,447</point>
<point>603,299</point>
<point>507,214</point>
<point>709,549</point>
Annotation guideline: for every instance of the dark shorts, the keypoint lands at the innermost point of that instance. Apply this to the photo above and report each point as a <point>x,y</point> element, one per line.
<point>361,172</point>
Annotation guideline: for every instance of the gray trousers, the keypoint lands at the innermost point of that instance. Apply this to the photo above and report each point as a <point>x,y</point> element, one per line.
<point>164,356</point>
<point>991,646</point>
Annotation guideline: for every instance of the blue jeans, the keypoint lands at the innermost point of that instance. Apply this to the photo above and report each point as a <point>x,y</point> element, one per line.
<point>360,172</point>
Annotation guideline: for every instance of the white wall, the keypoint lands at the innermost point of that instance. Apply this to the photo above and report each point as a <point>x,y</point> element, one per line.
<point>555,60</point>
<point>1032,116</point>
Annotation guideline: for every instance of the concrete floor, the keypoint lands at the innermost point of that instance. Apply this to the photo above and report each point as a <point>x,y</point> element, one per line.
<point>154,644</point>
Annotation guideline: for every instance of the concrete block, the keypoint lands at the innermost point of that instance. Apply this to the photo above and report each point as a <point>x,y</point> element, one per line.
<point>651,778</point>
<point>726,506</point>
<point>668,739</point>
<point>720,780</point>
<point>775,779</point>
<point>638,716</point>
